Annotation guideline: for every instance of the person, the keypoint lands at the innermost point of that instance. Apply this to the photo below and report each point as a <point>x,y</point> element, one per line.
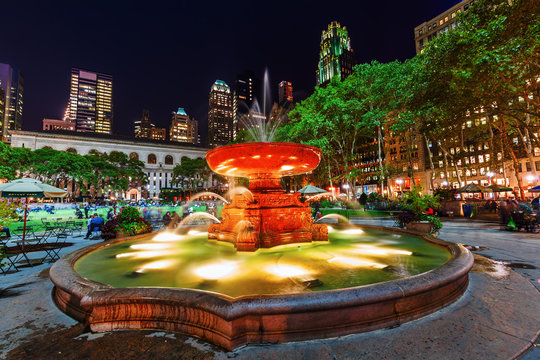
<point>493,206</point>
<point>78,213</point>
<point>6,230</point>
<point>86,209</point>
<point>166,218</point>
<point>536,203</point>
<point>110,214</point>
<point>175,220</point>
<point>94,224</point>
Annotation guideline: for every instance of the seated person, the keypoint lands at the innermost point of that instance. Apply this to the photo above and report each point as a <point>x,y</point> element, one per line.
<point>5,229</point>
<point>94,224</point>
<point>167,218</point>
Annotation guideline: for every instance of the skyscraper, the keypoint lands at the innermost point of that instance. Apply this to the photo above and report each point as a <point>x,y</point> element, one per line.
<point>183,128</point>
<point>246,90</point>
<point>146,130</point>
<point>2,108</point>
<point>285,95</point>
<point>90,102</point>
<point>336,57</point>
<point>429,30</point>
<point>12,84</point>
<point>220,114</point>
<point>143,124</point>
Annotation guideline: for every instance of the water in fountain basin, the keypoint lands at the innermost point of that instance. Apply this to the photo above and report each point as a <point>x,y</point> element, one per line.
<point>351,257</point>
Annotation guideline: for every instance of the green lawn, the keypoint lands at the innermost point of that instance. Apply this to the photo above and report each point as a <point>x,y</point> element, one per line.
<point>34,218</point>
<point>348,213</point>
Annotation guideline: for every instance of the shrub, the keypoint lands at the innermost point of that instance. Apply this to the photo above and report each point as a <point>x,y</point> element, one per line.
<point>415,204</point>
<point>363,199</point>
<point>129,222</point>
<point>129,214</point>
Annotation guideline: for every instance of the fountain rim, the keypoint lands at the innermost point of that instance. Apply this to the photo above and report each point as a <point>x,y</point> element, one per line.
<point>263,170</point>
<point>457,251</point>
<point>269,144</point>
<point>412,297</point>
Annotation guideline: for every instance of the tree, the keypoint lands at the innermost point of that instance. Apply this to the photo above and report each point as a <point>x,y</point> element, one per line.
<point>190,172</point>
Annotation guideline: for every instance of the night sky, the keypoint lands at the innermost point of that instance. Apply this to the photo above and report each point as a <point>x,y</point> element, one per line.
<point>167,55</point>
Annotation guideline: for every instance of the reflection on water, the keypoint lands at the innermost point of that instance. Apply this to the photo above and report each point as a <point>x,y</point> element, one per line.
<point>351,257</point>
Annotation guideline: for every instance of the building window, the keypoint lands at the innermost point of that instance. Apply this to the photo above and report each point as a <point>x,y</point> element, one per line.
<point>71,150</point>
<point>134,155</point>
<point>169,160</point>
<point>152,159</point>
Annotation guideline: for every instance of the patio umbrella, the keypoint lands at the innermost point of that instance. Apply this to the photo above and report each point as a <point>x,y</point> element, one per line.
<point>535,189</point>
<point>473,188</point>
<point>310,190</point>
<point>498,188</point>
<point>26,188</point>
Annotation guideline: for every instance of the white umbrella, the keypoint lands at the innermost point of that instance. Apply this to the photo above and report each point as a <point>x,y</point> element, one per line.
<point>26,188</point>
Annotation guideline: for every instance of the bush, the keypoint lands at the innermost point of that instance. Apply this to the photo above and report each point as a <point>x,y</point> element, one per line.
<point>415,204</point>
<point>129,214</point>
<point>363,199</point>
<point>129,222</point>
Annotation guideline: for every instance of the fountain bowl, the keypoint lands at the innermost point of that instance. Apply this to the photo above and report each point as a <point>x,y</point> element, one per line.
<point>267,159</point>
<point>260,319</point>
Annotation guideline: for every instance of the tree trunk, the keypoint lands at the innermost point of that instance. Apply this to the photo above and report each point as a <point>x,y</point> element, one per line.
<point>514,159</point>
<point>379,141</point>
<point>454,164</point>
<point>431,166</point>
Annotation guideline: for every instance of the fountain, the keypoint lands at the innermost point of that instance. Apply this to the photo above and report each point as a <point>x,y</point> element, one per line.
<point>283,278</point>
<point>272,217</point>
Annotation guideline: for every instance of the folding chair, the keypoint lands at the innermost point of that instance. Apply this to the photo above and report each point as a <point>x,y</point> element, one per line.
<point>3,245</point>
<point>52,249</point>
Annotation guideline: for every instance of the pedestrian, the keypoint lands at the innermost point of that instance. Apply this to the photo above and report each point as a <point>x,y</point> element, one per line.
<point>6,230</point>
<point>86,209</point>
<point>536,203</point>
<point>166,218</point>
<point>94,224</point>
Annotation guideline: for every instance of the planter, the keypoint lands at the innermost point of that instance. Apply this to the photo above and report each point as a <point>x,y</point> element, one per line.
<point>420,226</point>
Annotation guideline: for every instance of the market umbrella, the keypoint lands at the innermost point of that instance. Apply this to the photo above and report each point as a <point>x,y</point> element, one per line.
<point>473,188</point>
<point>498,188</point>
<point>27,188</point>
<point>310,190</point>
<point>535,189</point>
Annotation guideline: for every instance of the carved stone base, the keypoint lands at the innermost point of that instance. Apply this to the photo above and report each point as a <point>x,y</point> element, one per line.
<point>266,220</point>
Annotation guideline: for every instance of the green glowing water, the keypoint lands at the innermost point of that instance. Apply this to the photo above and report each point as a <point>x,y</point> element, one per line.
<point>346,260</point>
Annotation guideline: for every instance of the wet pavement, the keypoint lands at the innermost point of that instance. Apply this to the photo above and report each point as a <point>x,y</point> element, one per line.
<point>497,317</point>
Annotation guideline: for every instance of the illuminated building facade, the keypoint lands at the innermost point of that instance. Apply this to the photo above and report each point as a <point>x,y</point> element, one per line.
<point>429,30</point>
<point>220,114</point>
<point>91,103</point>
<point>2,108</point>
<point>183,128</point>
<point>246,90</point>
<point>12,84</point>
<point>336,56</point>
<point>285,93</point>
<point>53,125</point>
<point>146,130</point>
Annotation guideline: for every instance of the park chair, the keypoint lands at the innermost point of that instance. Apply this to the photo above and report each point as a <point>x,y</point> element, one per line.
<point>52,248</point>
<point>8,257</point>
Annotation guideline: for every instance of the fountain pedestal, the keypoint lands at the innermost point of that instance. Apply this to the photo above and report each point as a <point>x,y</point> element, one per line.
<point>265,216</point>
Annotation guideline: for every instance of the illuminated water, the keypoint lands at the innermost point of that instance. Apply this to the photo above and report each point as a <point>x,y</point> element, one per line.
<point>351,257</point>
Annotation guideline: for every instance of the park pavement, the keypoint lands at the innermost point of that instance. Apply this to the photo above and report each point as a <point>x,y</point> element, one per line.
<point>496,318</point>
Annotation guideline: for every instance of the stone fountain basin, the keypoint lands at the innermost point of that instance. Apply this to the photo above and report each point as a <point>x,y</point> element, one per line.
<point>234,322</point>
<point>252,159</point>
